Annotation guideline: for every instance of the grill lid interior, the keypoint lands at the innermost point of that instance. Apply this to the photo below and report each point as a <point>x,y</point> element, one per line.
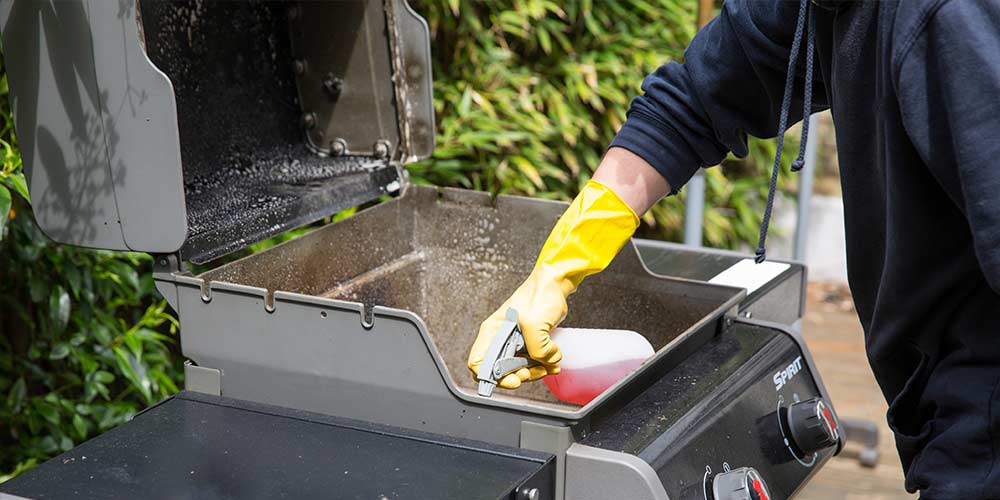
<point>287,112</point>
<point>201,126</point>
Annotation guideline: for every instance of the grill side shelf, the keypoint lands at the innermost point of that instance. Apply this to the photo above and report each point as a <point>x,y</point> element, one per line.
<point>202,446</point>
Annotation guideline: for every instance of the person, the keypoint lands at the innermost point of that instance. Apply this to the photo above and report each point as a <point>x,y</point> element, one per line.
<point>914,90</point>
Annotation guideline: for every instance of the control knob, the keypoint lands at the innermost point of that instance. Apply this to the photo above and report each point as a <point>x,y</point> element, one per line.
<point>812,425</point>
<point>744,483</point>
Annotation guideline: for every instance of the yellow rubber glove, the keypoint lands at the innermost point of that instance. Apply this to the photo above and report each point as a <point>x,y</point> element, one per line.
<point>583,242</point>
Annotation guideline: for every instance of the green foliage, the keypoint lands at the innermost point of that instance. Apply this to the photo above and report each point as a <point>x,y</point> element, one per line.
<point>11,178</point>
<point>529,93</point>
<point>85,342</point>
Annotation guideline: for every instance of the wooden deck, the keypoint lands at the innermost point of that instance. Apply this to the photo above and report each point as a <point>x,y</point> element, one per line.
<point>837,344</point>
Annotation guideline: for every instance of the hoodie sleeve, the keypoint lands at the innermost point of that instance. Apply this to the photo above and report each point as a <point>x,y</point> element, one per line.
<point>730,85</point>
<point>948,82</point>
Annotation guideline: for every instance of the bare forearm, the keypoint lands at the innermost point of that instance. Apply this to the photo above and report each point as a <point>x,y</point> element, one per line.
<point>634,180</point>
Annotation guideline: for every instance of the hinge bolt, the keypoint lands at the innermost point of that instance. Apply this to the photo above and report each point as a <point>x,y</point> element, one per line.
<point>529,494</point>
<point>338,147</point>
<point>333,86</point>
<point>309,120</point>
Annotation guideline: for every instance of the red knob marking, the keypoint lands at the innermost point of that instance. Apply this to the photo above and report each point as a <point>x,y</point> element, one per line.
<point>759,488</point>
<point>829,419</point>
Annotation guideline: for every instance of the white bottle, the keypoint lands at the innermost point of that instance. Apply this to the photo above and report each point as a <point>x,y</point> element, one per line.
<point>593,360</point>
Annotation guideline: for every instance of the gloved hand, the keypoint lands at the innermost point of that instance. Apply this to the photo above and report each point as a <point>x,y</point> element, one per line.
<point>583,242</point>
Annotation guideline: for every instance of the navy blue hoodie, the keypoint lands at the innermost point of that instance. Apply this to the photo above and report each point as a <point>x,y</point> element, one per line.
<point>914,89</point>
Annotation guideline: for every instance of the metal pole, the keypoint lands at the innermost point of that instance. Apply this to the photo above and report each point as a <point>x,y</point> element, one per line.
<point>805,190</point>
<point>694,204</point>
<point>694,209</point>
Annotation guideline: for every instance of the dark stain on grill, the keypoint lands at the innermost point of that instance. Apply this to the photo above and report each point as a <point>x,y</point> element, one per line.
<point>248,173</point>
<point>231,69</point>
<point>453,261</point>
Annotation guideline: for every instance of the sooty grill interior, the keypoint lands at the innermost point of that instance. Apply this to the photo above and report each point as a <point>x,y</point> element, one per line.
<point>452,258</point>
<point>248,173</point>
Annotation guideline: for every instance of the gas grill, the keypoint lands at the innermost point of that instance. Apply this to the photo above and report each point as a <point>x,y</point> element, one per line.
<point>334,364</point>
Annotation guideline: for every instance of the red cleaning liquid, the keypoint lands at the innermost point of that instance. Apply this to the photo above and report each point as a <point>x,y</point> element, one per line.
<point>594,360</point>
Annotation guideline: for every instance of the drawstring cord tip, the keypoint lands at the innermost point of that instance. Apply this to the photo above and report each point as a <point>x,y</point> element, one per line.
<point>761,255</point>
<point>798,164</point>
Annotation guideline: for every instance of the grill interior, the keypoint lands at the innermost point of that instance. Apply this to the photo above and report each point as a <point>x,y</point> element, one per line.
<point>452,257</point>
<point>248,172</point>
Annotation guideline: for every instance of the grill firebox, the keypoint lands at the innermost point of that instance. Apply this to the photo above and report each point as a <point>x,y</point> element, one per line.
<point>451,257</point>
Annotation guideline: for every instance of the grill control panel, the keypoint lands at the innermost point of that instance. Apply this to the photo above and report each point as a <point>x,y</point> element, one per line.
<point>740,418</point>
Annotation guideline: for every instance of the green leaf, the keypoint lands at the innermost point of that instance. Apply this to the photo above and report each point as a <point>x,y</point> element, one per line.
<point>80,426</point>
<point>87,362</point>
<point>48,445</point>
<point>525,167</point>
<point>35,423</point>
<point>104,377</point>
<point>101,333</point>
<point>15,398</point>
<point>47,412</point>
<point>466,103</point>
<point>60,351</point>
<point>135,373</point>
<point>545,41</point>
<point>101,389</point>
<point>73,277</point>
<point>128,275</point>
<point>21,467</point>
<point>38,287</point>
<point>59,308</point>
<point>18,184</point>
<point>4,209</point>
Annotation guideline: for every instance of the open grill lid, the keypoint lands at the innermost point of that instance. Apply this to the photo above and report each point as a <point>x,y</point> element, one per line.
<point>281,113</point>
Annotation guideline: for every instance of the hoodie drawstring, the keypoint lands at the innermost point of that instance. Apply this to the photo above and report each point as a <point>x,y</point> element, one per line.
<point>803,24</point>
<point>807,101</point>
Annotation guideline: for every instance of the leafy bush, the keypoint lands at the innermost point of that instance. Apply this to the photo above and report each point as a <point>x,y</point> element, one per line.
<point>529,93</point>
<point>85,342</point>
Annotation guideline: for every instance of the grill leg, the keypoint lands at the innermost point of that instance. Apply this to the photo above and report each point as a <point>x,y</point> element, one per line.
<point>865,433</point>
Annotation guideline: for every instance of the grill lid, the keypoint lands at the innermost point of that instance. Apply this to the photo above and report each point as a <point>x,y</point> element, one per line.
<point>208,126</point>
